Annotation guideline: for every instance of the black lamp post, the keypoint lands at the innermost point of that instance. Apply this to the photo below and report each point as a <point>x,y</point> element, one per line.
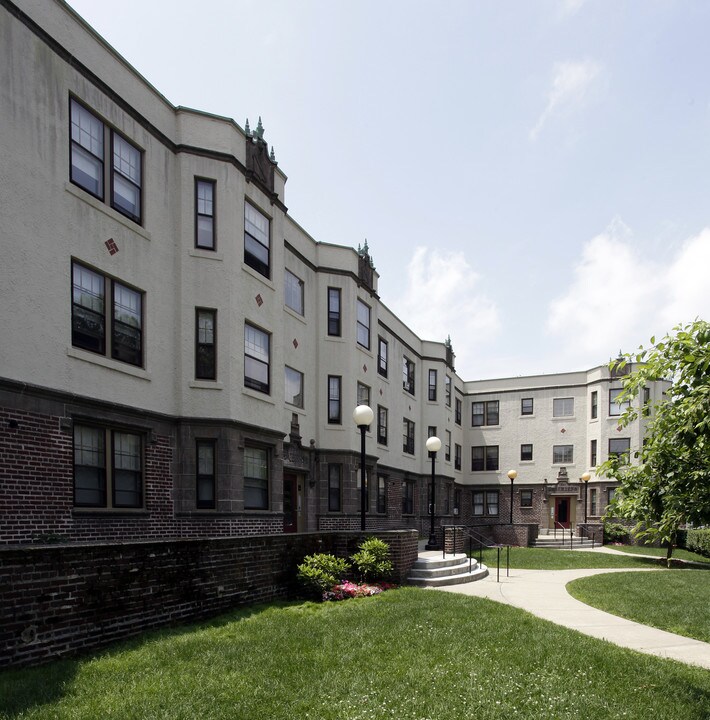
<point>585,479</point>
<point>433,445</point>
<point>512,474</point>
<point>363,416</point>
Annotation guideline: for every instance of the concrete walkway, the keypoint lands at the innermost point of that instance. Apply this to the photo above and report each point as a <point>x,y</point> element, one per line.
<point>543,593</point>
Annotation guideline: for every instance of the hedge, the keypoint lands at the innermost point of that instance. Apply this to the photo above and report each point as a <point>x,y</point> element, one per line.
<point>699,541</point>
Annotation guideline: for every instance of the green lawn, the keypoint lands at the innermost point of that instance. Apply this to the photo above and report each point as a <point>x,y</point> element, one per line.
<point>409,654</point>
<point>673,600</point>
<point>678,553</point>
<point>546,559</point>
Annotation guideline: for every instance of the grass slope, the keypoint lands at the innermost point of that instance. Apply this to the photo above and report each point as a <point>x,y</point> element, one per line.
<point>678,553</point>
<point>673,600</point>
<point>546,559</point>
<point>409,654</point>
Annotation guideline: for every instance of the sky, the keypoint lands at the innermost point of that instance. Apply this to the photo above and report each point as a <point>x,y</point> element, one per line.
<point>532,177</point>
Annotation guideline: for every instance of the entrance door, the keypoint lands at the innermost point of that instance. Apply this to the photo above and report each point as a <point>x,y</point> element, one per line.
<point>290,503</point>
<point>562,511</point>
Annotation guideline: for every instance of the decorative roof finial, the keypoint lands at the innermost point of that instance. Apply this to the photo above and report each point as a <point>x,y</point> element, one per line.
<point>247,129</point>
<point>447,342</point>
<point>365,249</point>
<point>272,156</point>
<point>259,132</point>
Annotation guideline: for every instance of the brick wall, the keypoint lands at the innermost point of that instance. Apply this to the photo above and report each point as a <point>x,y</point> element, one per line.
<point>62,599</point>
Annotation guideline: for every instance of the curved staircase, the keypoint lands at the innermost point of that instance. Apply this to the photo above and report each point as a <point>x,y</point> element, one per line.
<point>433,570</point>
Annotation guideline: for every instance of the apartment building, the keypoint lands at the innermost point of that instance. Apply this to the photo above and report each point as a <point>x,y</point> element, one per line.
<point>182,359</point>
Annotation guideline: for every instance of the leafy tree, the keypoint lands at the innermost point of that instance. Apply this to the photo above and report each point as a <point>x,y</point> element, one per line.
<point>670,485</point>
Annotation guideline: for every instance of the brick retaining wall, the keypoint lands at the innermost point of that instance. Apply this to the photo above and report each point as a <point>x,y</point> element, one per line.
<point>57,600</point>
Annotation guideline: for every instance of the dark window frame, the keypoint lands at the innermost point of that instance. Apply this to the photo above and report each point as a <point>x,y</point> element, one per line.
<point>485,458</point>
<point>250,382</point>
<point>625,450</point>
<point>594,405</point>
<point>109,345</point>
<point>408,495</point>
<point>335,402</point>
<point>527,409</point>
<point>301,378</point>
<point>432,384</point>
<point>408,430</point>
<point>203,479</point>
<point>593,453</point>
<point>526,455</point>
<point>362,330</point>
<point>382,357</point>
<point>206,218</point>
<point>335,487</point>
<point>108,470</point>
<point>408,375</point>
<point>457,456</point>
<point>255,483</point>
<point>263,267</point>
<point>381,504</point>
<point>335,297</point>
<point>382,421</point>
<point>205,367</point>
<point>458,410</point>
<point>488,413</point>
<point>526,498</point>
<point>107,167</point>
<point>620,408</point>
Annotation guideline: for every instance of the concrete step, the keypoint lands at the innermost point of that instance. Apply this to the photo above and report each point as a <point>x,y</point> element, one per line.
<point>551,542</point>
<point>431,570</point>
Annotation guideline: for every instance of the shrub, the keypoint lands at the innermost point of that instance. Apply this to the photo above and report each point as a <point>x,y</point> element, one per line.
<point>616,533</point>
<point>372,560</point>
<point>320,572</point>
<point>699,541</point>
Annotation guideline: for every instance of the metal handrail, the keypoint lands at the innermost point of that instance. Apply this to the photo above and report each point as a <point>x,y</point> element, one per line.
<point>482,542</point>
<point>563,528</point>
<point>587,531</point>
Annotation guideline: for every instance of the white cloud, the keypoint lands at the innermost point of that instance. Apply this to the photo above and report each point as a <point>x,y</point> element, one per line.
<point>570,89</point>
<point>441,286</point>
<point>618,297</point>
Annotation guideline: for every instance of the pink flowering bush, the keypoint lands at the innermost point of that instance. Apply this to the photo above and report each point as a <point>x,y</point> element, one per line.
<point>347,589</point>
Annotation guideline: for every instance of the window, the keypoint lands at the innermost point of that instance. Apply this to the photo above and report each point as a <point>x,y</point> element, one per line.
<point>256,240</point>
<point>256,358</point>
<point>562,454</point>
<point>408,436</point>
<point>491,502</point>
<point>293,292</point>
<point>205,235</point>
<point>294,387</point>
<point>89,137</point>
<point>334,388</point>
<point>457,411</point>
<point>594,405</point>
<point>526,452</point>
<point>526,498</point>
<point>256,479</point>
<point>610,492</point>
<point>334,312</point>
<point>477,503</point>
<point>615,407</point>
<point>408,375</point>
<point>408,497</point>
<point>457,457</point>
<point>432,385</point>
<point>108,468</point>
<point>89,296</point>
<point>447,447</point>
<point>431,431</point>
<point>485,413</point>
<point>381,425</point>
<point>381,494</point>
<point>447,390</point>
<point>526,406</point>
<point>619,447</point>
<point>563,407</point>
<point>205,344</point>
<point>363,394</point>
<point>484,457</point>
<point>335,481</point>
<point>646,409</point>
<point>593,453</point>
<point>382,349</point>
<point>363,324</point>
<point>205,480</point>
<point>593,501</point>
<point>457,501</point>
<point>126,178</point>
